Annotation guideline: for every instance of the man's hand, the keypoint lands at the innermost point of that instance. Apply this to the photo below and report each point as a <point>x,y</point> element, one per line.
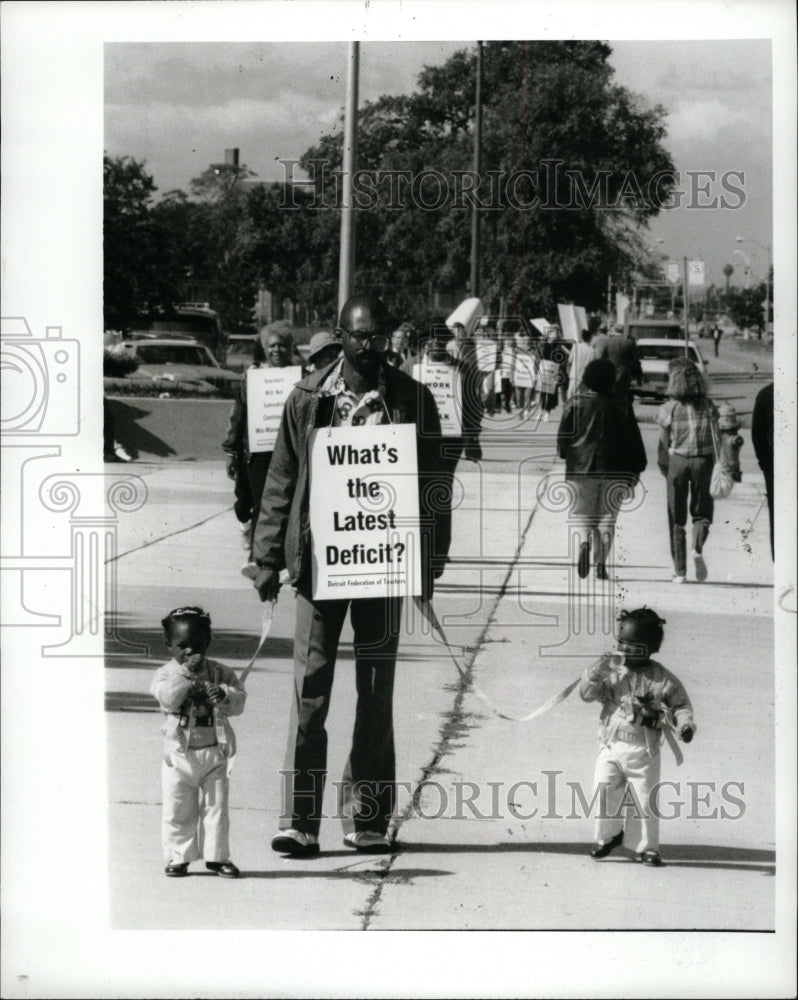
<point>215,693</point>
<point>267,584</point>
<point>231,468</point>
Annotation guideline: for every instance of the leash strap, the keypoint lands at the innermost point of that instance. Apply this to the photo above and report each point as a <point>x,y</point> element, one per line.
<point>265,628</point>
<point>426,609</point>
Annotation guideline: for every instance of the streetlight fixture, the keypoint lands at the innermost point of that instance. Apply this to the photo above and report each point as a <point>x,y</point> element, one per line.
<point>747,260</point>
<point>742,239</point>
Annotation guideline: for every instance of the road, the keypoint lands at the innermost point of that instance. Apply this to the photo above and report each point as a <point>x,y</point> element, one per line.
<point>490,833</point>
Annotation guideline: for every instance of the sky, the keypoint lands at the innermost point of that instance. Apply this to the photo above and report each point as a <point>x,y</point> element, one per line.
<point>178,106</point>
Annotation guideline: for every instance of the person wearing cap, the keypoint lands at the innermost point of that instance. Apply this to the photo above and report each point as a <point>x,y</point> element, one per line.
<point>324,349</point>
<point>274,348</point>
<point>359,390</point>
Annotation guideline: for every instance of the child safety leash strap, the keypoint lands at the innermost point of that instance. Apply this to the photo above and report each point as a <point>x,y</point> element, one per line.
<point>426,609</point>
<point>265,628</point>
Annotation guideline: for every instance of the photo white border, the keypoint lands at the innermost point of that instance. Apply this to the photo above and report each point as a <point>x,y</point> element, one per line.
<point>54,859</point>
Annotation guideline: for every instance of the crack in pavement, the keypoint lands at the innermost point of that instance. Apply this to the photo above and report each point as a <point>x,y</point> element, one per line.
<point>455,726</point>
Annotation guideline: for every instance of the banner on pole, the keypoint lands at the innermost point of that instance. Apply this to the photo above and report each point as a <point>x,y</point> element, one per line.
<point>695,272</point>
<point>364,514</point>
<point>267,391</point>
<point>446,385</point>
<point>672,272</point>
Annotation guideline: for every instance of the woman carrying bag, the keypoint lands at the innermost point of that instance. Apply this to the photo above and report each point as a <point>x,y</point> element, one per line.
<point>686,457</point>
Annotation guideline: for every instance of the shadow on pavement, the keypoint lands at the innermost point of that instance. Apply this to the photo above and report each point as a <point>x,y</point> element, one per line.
<point>679,855</point>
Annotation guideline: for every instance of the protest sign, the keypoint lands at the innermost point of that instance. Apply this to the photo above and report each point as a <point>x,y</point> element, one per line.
<point>486,353</point>
<point>446,385</point>
<point>569,322</point>
<point>524,370</point>
<point>267,391</point>
<point>364,516</point>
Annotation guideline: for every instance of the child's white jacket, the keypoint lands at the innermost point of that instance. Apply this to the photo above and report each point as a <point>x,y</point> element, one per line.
<point>170,687</point>
<point>636,705</point>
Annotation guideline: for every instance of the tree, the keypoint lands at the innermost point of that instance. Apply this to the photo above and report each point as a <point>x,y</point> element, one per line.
<point>551,115</point>
<point>745,307</point>
<point>133,279</point>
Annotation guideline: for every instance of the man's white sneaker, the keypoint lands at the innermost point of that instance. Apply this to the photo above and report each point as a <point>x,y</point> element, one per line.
<point>295,843</point>
<point>368,842</point>
<point>700,567</point>
<point>678,579</point>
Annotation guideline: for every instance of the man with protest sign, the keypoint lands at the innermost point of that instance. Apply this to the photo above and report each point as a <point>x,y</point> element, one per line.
<point>343,434</point>
<point>456,385</point>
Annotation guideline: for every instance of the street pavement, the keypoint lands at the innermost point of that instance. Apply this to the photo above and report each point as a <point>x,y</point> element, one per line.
<point>490,831</point>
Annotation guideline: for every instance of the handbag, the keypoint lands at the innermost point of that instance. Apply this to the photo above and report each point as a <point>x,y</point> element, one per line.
<point>722,480</point>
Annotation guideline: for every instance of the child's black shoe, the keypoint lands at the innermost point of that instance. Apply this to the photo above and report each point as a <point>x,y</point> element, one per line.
<point>176,869</point>
<point>224,868</point>
<point>651,858</point>
<point>602,849</point>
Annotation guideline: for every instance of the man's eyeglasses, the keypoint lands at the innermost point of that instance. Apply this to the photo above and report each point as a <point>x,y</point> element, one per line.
<point>377,340</point>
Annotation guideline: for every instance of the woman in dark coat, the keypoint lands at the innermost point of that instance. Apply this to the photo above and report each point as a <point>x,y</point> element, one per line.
<point>604,455</point>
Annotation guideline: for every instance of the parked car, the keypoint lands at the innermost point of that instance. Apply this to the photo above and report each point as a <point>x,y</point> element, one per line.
<point>240,347</point>
<point>185,362</point>
<point>655,353</point>
<point>654,329</point>
<point>186,321</point>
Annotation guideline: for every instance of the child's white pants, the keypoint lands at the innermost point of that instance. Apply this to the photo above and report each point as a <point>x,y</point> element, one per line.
<point>626,773</point>
<point>196,822</point>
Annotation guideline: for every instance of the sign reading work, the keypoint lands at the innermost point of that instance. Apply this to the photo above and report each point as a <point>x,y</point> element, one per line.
<point>267,391</point>
<point>446,386</point>
<point>364,516</point>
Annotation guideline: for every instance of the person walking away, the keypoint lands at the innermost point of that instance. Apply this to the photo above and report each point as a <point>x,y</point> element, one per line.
<point>686,454</point>
<point>622,351</point>
<point>552,356</point>
<point>579,358</point>
<point>600,440</point>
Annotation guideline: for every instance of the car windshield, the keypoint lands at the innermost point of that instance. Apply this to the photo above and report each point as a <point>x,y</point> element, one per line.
<point>243,347</point>
<point>168,354</point>
<point>664,352</point>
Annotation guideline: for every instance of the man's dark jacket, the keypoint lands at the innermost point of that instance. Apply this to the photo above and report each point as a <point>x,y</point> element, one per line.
<point>282,535</point>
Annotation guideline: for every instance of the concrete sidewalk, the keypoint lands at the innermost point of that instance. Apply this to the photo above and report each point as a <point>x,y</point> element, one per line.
<point>523,626</point>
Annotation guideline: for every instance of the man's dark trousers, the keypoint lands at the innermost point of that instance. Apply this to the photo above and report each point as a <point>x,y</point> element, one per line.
<point>367,792</point>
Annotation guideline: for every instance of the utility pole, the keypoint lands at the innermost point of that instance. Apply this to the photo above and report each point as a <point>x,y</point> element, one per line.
<point>346,262</point>
<point>477,168</point>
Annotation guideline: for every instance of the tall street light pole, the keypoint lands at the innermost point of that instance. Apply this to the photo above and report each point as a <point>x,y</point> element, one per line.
<point>767,249</point>
<point>477,168</point>
<point>346,262</point>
